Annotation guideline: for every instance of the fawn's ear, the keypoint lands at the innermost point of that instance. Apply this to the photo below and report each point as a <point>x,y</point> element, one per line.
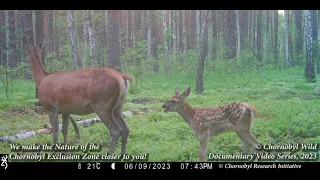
<point>185,94</point>
<point>177,91</point>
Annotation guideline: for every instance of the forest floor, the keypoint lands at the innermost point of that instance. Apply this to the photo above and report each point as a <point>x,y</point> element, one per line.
<point>288,108</point>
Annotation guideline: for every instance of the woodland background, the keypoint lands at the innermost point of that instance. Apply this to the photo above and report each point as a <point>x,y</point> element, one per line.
<point>269,58</point>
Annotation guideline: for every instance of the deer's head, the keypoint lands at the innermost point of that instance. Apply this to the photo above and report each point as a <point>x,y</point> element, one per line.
<point>177,101</point>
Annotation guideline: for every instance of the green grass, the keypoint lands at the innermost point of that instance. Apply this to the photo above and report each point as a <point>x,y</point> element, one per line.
<point>288,107</point>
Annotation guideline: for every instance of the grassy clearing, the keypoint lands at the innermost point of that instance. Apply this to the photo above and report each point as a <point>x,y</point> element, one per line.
<point>288,110</point>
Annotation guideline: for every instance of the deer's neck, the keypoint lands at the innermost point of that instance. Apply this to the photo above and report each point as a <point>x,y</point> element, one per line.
<point>187,113</point>
<point>37,67</point>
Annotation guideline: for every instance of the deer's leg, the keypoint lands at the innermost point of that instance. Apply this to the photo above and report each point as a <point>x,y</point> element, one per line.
<point>105,114</point>
<point>244,143</point>
<point>65,124</point>
<point>125,129</point>
<point>204,143</point>
<point>75,126</point>
<point>250,138</point>
<point>120,119</point>
<point>53,116</point>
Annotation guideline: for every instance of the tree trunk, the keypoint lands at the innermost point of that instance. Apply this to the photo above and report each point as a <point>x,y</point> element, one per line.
<point>188,29</point>
<point>318,49</point>
<point>238,43</point>
<point>231,35</point>
<point>137,35</point>
<point>56,37</point>
<point>12,60</point>
<point>129,30</point>
<point>154,48</point>
<point>286,41</point>
<point>7,36</point>
<point>276,21</point>
<point>144,24</point>
<point>149,26</point>
<point>314,27</point>
<point>39,38</point>
<point>254,25</point>
<point>198,27</point>
<point>259,36</point>
<point>39,31</point>
<point>73,39</point>
<point>50,43</point>
<point>290,45</point>
<point>214,33</point>
<point>298,34</point>
<point>206,45</point>
<point>309,69</point>
<point>202,50</point>
<point>92,44</point>
<point>106,30</point>
<point>272,34</point>
<point>2,38</point>
<point>193,23</point>
<point>185,33</point>
<point>169,28</point>
<point>113,40</point>
<point>174,15</point>
<point>122,32</point>
<point>180,32</point>
<point>244,28</point>
<point>19,39</point>
<point>166,40</point>
<point>85,33</point>
<point>250,29</point>
<point>267,34</point>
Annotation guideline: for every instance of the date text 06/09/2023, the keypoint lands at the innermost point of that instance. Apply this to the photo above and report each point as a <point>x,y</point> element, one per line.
<point>166,166</point>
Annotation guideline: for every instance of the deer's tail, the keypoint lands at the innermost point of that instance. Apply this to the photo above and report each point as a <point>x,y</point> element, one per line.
<point>127,77</point>
<point>254,110</point>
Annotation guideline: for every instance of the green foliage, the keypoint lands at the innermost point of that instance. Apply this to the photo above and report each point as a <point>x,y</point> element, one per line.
<point>134,59</point>
<point>288,109</point>
<point>287,105</point>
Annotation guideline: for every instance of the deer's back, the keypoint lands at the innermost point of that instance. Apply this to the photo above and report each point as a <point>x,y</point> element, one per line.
<point>77,89</point>
<point>231,112</point>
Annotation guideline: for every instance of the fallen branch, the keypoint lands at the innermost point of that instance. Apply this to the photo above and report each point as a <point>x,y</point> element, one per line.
<point>47,129</point>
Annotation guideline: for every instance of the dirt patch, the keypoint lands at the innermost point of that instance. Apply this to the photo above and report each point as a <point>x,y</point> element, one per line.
<point>19,111</point>
<point>145,100</point>
<point>23,111</point>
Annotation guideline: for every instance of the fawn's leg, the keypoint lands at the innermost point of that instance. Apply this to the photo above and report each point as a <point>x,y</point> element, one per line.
<point>244,143</point>
<point>203,149</point>
<point>250,138</point>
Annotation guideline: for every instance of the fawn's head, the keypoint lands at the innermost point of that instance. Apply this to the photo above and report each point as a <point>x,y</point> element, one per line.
<point>177,101</point>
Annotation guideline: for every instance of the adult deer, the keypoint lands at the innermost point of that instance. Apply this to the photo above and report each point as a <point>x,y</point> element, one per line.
<point>85,91</point>
<point>213,121</point>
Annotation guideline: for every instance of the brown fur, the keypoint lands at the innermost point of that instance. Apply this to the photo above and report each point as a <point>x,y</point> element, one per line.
<point>81,92</point>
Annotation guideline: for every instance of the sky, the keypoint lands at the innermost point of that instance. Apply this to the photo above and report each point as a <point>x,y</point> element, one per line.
<point>281,11</point>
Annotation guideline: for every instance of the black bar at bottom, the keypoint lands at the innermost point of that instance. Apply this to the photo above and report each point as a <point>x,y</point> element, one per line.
<point>217,167</point>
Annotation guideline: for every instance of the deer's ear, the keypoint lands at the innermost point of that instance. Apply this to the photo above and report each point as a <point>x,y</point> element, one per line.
<point>185,94</point>
<point>177,91</point>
